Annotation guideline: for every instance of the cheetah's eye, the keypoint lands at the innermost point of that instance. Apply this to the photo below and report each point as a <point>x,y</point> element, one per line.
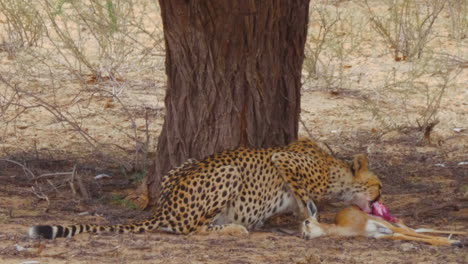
<point>307,222</point>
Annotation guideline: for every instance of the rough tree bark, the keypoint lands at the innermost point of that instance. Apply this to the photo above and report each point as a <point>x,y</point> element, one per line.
<point>233,77</point>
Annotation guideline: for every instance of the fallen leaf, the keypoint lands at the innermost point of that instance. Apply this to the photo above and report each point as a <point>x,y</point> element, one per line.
<point>109,103</point>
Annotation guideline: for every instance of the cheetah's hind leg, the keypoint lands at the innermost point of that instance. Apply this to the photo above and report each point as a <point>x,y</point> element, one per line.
<point>227,229</point>
<point>221,185</point>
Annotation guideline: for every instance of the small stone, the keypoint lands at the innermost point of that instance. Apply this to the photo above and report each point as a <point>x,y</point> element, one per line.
<point>407,247</point>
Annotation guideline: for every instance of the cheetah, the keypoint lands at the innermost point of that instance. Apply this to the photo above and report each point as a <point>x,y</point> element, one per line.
<point>237,190</point>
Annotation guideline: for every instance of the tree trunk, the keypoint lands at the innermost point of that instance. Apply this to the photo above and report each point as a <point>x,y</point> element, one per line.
<point>233,77</point>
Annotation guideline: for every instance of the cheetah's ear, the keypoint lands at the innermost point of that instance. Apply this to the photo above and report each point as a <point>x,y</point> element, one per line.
<point>312,209</point>
<point>360,163</point>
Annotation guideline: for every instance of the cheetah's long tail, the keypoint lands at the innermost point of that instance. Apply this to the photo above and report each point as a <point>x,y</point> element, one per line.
<point>54,231</point>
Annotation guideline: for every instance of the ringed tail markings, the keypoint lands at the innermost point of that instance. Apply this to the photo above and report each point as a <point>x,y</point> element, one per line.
<point>54,231</point>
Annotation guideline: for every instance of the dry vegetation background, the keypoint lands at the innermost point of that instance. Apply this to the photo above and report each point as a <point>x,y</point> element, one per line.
<point>82,87</point>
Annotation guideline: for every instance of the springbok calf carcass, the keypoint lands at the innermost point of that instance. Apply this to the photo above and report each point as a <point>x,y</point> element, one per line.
<point>352,221</point>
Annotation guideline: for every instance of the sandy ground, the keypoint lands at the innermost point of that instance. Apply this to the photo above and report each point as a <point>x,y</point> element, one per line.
<point>425,183</point>
<point>435,202</point>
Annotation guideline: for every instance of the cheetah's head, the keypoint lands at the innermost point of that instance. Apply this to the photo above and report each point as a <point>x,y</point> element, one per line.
<point>364,186</point>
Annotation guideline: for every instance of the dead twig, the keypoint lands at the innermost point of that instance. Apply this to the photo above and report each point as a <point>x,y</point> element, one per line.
<point>45,175</point>
<point>428,129</point>
<point>306,128</point>
<point>25,169</point>
<point>312,137</point>
<point>329,149</point>
<point>71,182</point>
<point>41,196</point>
<point>52,184</point>
<point>83,190</point>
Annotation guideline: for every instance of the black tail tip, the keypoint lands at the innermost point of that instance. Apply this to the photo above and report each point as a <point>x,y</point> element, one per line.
<point>41,231</point>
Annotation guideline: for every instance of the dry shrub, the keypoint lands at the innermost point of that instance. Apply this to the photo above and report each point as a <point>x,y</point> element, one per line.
<point>23,25</point>
<point>334,36</point>
<point>426,82</point>
<point>72,55</point>
<point>406,25</point>
<point>458,13</point>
